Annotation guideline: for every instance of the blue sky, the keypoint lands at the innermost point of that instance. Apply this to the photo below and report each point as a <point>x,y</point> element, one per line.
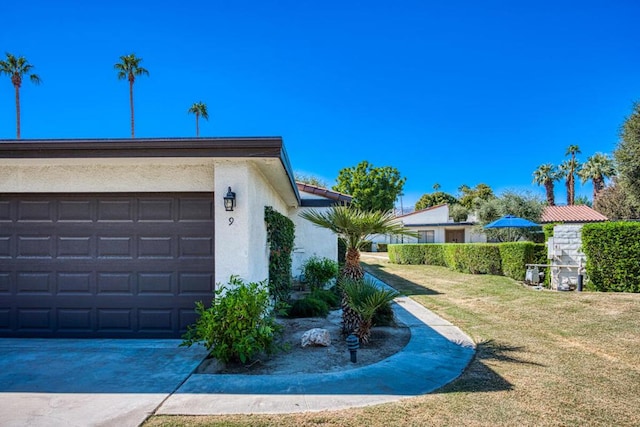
<point>456,92</point>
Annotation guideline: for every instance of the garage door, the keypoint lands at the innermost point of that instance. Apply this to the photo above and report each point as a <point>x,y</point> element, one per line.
<point>115,265</point>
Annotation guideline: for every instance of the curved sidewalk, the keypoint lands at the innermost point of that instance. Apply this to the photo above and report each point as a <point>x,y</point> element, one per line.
<point>436,354</point>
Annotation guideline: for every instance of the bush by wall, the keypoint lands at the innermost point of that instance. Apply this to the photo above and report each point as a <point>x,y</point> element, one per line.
<point>515,255</point>
<point>319,270</point>
<point>613,251</point>
<point>280,235</point>
<point>239,324</point>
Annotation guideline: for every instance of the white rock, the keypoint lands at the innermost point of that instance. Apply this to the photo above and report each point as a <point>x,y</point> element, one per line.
<point>316,337</point>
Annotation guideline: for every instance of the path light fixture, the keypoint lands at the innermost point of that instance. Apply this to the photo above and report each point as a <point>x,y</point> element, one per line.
<point>353,344</point>
<point>229,200</point>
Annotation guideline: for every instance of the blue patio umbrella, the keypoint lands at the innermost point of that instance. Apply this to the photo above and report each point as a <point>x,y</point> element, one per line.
<point>510,221</point>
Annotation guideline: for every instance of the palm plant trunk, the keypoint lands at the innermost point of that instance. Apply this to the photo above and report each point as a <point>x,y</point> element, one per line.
<point>548,185</point>
<point>131,104</point>
<point>351,270</point>
<point>17,112</point>
<point>197,126</point>
<point>598,186</point>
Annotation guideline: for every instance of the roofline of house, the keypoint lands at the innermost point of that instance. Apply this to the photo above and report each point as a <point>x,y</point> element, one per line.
<point>324,192</point>
<point>240,147</point>
<point>422,210</point>
<point>574,221</point>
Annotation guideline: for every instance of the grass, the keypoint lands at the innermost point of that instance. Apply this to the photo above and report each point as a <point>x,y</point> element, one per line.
<point>543,358</point>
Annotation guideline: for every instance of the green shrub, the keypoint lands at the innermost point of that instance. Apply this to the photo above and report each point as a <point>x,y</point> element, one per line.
<point>384,316</point>
<point>280,235</point>
<point>409,253</point>
<point>515,255</point>
<point>434,254</point>
<point>365,298</point>
<point>328,296</point>
<point>613,251</point>
<point>474,258</point>
<point>308,307</point>
<point>238,325</point>
<point>318,271</point>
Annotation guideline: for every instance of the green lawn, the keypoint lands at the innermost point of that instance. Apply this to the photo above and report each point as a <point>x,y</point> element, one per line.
<point>544,358</point>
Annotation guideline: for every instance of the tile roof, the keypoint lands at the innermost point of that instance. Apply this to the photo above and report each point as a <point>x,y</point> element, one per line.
<point>576,213</point>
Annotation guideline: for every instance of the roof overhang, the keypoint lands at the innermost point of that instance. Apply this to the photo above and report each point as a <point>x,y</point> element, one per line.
<point>265,148</point>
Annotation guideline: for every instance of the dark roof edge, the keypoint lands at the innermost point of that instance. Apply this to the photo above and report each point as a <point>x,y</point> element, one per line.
<point>248,147</point>
<point>324,192</point>
<point>319,203</point>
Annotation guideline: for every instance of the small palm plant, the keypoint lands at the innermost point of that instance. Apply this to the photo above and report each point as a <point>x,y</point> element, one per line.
<point>365,298</point>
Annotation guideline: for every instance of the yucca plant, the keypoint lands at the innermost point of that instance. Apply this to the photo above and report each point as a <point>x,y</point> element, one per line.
<point>365,298</point>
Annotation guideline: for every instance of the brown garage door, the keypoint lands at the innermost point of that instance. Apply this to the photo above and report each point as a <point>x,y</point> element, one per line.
<point>109,265</point>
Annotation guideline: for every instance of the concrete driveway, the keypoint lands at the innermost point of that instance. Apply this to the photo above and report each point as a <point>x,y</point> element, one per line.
<point>71,382</point>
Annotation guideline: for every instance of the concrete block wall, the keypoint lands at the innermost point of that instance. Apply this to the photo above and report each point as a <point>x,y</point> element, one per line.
<point>567,241</point>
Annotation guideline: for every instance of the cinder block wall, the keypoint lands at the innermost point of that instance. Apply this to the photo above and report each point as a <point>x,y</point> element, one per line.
<point>567,240</point>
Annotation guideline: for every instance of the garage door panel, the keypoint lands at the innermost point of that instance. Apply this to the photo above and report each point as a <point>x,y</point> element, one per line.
<point>35,247</point>
<point>36,211</point>
<point>76,211</point>
<point>104,265</point>
<point>116,210</point>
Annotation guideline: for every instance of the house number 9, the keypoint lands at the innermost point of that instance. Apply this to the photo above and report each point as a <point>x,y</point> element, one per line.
<point>230,220</point>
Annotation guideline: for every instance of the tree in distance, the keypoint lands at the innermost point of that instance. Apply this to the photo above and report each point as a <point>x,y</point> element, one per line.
<point>129,68</point>
<point>17,67</point>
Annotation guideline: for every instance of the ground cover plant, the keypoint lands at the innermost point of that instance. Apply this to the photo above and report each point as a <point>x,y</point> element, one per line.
<point>543,358</point>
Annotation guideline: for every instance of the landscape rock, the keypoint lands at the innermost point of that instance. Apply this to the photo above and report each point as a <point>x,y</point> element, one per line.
<point>316,337</point>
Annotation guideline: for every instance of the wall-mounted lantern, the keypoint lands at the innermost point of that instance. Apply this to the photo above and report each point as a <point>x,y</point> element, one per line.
<point>229,200</point>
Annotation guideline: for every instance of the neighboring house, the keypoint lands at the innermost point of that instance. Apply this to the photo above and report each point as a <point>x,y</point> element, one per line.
<point>576,214</point>
<point>120,237</point>
<point>433,225</point>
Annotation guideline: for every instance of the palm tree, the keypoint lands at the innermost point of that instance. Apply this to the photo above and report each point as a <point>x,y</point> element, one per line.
<point>199,109</point>
<point>568,169</point>
<point>546,175</point>
<point>354,227</point>
<point>17,68</point>
<point>129,68</point>
<point>597,168</point>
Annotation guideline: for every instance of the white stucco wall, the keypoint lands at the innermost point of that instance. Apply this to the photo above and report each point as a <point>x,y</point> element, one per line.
<point>241,246</point>
<point>105,175</point>
<point>311,240</point>
<point>428,216</point>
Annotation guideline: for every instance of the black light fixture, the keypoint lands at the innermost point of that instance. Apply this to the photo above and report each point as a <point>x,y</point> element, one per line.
<point>229,200</point>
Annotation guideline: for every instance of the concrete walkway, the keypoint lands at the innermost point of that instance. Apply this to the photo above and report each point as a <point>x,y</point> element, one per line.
<point>436,354</point>
<point>73,382</point>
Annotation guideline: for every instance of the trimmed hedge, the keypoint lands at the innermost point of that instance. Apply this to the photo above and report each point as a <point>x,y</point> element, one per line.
<point>613,251</point>
<point>515,255</point>
<point>507,259</point>
<point>478,258</point>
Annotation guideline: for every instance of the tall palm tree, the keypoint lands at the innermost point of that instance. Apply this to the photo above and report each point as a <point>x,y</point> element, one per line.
<point>546,175</point>
<point>17,68</point>
<point>354,227</point>
<point>129,68</point>
<point>568,169</point>
<point>199,109</point>
<point>597,168</point>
